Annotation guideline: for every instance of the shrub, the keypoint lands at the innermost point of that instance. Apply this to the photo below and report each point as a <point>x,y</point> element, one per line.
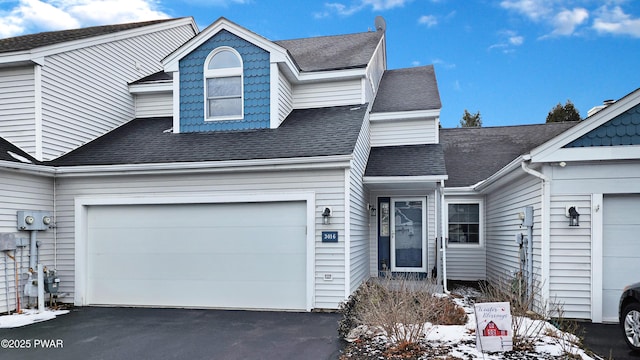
<point>399,305</point>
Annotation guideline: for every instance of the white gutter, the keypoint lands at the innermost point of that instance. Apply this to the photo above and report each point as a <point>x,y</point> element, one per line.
<point>523,164</point>
<point>545,203</point>
<point>403,179</point>
<point>27,168</point>
<point>324,162</point>
<point>444,241</point>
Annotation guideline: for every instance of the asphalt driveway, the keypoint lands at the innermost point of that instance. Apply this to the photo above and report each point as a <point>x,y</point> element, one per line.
<point>140,333</point>
<point>606,340</point>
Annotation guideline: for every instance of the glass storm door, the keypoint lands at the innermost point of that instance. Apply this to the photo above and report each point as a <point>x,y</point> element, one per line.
<point>408,235</point>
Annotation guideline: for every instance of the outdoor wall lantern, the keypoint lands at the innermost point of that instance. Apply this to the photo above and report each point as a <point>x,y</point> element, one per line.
<point>372,210</point>
<point>573,215</point>
<point>326,214</point>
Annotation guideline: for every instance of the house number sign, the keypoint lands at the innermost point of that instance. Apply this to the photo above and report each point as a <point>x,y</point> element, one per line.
<point>329,236</point>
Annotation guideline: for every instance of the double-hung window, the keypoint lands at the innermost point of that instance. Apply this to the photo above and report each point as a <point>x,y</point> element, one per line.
<point>464,222</point>
<point>223,85</point>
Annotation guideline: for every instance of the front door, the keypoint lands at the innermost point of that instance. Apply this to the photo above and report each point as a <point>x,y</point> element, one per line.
<point>408,235</point>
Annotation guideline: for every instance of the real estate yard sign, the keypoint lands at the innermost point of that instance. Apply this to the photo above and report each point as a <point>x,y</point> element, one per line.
<point>493,327</point>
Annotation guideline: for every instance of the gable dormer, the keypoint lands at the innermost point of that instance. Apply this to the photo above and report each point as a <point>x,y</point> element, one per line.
<point>229,78</point>
<point>224,78</point>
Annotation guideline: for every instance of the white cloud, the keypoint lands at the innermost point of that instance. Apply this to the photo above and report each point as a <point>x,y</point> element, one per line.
<point>553,13</point>
<point>379,5</point>
<point>443,64</point>
<point>429,20</point>
<point>29,16</point>
<point>533,9</point>
<point>516,40</point>
<point>347,10</point>
<point>566,21</point>
<point>511,39</point>
<point>616,21</point>
<point>114,11</point>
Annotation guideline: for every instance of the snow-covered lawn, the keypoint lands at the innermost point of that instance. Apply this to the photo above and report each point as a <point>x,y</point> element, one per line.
<point>459,342</point>
<point>29,316</point>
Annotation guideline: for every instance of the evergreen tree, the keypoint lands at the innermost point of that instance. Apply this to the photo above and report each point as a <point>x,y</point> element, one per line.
<point>560,113</point>
<point>471,120</point>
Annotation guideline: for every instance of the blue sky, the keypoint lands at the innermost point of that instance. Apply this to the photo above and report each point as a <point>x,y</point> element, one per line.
<point>512,60</point>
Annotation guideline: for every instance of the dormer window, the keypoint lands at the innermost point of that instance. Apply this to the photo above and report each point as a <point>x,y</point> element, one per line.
<point>223,85</point>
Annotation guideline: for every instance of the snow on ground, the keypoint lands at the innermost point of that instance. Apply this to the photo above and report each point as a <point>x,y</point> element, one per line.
<point>29,316</point>
<point>460,340</point>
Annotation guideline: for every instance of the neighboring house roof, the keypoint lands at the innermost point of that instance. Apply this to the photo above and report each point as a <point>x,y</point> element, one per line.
<point>32,41</point>
<point>408,90</point>
<point>159,76</point>
<point>305,133</point>
<point>10,152</point>
<point>406,160</point>
<point>473,154</point>
<point>333,52</point>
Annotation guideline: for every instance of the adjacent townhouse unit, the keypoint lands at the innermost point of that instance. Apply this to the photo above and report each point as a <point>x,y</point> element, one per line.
<point>218,168</point>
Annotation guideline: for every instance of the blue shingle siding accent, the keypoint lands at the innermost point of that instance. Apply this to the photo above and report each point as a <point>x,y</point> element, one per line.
<point>622,130</point>
<point>256,86</point>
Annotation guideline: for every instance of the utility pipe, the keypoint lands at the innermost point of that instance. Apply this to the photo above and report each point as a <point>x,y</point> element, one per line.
<point>40,288</point>
<point>15,270</point>
<point>33,251</point>
<point>6,285</point>
<point>544,179</point>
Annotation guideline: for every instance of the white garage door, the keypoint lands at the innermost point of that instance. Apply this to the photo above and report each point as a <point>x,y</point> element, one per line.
<point>248,255</point>
<point>621,257</point>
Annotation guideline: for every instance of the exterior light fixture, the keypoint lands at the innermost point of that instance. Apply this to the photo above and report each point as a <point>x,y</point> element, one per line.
<point>372,210</point>
<point>326,214</point>
<point>574,216</point>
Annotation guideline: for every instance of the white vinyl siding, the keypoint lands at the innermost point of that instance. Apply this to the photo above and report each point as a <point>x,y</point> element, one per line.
<point>570,256</point>
<point>328,186</point>
<point>359,213</point>
<point>404,132</point>
<point>285,97</point>
<point>22,192</point>
<point>502,206</point>
<point>85,91</point>
<point>315,95</point>
<point>153,104</point>
<point>466,261</point>
<point>17,107</point>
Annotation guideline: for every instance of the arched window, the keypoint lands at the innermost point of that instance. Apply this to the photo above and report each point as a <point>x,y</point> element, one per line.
<point>223,85</point>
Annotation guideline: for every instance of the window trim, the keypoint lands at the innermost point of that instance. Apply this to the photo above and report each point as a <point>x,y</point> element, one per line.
<point>221,73</point>
<point>481,218</point>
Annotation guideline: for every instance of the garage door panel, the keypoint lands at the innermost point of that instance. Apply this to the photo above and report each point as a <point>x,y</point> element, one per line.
<point>194,255</point>
<point>621,249</point>
<point>257,239</point>
<point>197,293</point>
<point>190,215</point>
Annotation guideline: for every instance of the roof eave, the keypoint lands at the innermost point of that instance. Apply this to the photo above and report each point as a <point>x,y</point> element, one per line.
<point>412,114</point>
<point>318,162</point>
<point>163,86</point>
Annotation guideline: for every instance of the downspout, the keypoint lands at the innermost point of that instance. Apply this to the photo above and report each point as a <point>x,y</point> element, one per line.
<point>444,241</point>
<point>545,181</point>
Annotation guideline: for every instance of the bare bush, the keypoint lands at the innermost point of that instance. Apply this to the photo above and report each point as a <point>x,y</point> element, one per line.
<point>401,306</point>
<point>530,312</point>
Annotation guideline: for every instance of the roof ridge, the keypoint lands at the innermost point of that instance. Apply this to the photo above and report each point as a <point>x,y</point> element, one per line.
<point>327,36</point>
